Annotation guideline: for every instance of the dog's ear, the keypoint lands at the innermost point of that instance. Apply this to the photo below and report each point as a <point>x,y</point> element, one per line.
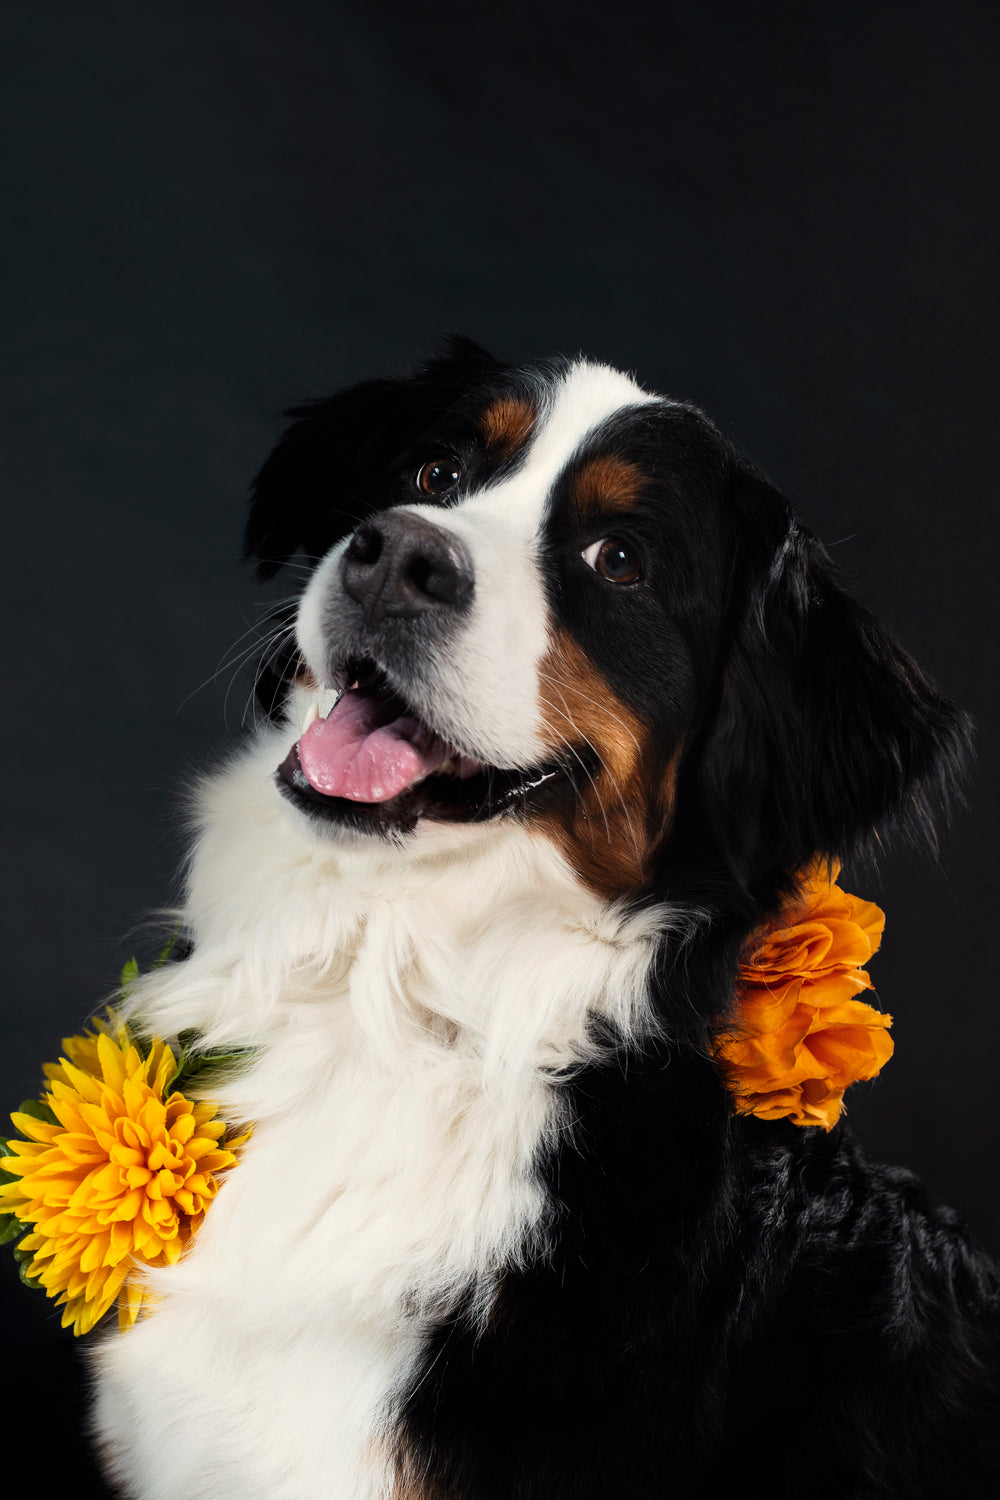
<point>322,478</point>
<point>827,735</point>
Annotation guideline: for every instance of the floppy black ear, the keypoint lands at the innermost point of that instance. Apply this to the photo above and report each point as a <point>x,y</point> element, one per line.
<point>827,734</point>
<point>322,478</point>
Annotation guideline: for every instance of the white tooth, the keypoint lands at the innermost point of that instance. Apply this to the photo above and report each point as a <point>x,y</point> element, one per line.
<point>328,699</point>
<point>312,714</point>
<point>447,767</point>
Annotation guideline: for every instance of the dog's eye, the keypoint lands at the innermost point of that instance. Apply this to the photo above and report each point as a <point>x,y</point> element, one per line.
<point>615,560</point>
<point>439,476</point>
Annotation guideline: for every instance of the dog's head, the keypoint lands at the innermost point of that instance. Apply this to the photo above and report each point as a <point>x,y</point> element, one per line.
<point>542,593</point>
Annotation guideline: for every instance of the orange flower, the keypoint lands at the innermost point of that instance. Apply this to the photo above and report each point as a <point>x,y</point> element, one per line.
<point>802,1037</point>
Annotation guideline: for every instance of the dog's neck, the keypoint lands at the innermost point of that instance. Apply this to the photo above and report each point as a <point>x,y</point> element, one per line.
<point>487,933</point>
<point>416,1014</point>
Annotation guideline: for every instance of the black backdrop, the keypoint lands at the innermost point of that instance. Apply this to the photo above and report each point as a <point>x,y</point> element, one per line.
<point>788,214</point>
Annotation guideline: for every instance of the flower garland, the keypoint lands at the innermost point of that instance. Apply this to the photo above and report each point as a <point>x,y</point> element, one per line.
<point>802,1037</point>
<point>114,1169</point>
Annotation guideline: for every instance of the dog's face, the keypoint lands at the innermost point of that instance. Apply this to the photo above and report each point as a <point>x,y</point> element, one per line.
<point>512,624</point>
<point>542,593</point>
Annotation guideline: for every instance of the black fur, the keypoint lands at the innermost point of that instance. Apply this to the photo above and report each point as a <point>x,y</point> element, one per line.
<point>329,470</point>
<point>730,1306</point>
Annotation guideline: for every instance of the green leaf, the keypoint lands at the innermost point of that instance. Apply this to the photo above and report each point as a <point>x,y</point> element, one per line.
<point>36,1110</point>
<point>208,1067</point>
<point>31,1281</point>
<point>12,1230</point>
<point>164,954</point>
<point>24,1259</point>
<point>130,973</point>
<point>173,1081</point>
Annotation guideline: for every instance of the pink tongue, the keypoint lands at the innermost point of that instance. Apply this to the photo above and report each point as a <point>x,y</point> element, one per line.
<point>362,752</point>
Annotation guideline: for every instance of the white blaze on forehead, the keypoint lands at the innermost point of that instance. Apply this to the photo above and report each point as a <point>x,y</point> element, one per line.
<point>582,400</point>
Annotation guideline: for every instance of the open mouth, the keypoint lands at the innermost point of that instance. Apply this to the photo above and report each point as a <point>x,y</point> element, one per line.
<point>373,762</point>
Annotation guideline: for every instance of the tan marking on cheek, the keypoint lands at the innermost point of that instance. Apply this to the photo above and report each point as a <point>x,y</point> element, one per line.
<point>602,485</point>
<point>305,679</point>
<point>611,831</point>
<point>507,425</point>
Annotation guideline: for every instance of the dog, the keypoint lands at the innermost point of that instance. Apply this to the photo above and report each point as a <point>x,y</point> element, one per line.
<point>568,702</point>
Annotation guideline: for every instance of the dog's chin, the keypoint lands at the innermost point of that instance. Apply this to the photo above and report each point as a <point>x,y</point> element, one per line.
<point>456,789</point>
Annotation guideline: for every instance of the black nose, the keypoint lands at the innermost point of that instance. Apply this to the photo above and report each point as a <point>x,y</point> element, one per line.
<point>399,565</point>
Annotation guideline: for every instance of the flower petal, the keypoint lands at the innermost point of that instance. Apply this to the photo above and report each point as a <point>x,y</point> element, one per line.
<point>801,1037</point>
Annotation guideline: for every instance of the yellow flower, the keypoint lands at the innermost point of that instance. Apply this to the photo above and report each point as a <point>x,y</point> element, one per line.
<point>802,1037</point>
<point>114,1178</point>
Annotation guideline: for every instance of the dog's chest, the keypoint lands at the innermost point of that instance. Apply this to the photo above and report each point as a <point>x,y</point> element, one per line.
<point>392,1169</point>
<point>403,1095</point>
<point>379,1181</point>
<point>352,1219</point>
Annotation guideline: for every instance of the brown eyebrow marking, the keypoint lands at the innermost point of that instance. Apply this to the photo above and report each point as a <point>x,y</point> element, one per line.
<point>603,484</point>
<point>507,424</point>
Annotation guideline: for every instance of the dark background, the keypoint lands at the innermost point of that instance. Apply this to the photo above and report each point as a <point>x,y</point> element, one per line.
<point>786,213</point>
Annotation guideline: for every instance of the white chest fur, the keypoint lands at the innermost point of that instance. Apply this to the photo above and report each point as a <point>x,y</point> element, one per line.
<point>413,1021</point>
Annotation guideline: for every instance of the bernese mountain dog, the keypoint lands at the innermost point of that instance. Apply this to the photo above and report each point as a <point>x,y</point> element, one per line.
<point>569,701</point>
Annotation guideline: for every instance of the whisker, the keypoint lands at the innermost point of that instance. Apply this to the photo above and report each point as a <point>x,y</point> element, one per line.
<point>263,642</point>
<point>636,842</point>
<point>586,771</point>
<point>600,801</point>
<point>637,847</point>
<point>597,704</point>
<point>271,650</point>
<point>231,658</point>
